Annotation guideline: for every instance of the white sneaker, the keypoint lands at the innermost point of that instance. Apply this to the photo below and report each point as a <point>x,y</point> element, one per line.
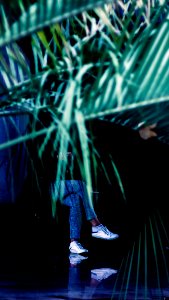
<point>76,258</point>
<point>102,273</point>
<point>101,232</point>
<point>76,247</point>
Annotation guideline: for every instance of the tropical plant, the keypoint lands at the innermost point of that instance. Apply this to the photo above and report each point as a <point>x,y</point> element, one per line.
<point>88,60</point>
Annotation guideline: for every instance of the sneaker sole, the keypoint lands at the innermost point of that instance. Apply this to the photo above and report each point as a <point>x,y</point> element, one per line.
<point>102,238</point>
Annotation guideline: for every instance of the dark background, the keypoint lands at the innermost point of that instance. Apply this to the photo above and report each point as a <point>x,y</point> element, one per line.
<point>29,231</point>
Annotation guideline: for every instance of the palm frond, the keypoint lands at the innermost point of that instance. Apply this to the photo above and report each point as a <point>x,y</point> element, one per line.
<point>45,13</point>
<point>95,65</point>
<point>114,91</point>
<point>146,252</point>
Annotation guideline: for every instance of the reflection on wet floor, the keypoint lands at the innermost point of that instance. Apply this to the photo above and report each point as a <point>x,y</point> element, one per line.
<point>87,290</point>
<point>77,277</point>
<point>130,268</point>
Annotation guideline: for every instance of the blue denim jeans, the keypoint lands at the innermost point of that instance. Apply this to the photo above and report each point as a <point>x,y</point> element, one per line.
<point>74,194</point>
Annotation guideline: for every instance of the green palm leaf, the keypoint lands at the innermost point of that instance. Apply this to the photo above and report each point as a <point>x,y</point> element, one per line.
<point>89,66</point>
<point>45,13</point>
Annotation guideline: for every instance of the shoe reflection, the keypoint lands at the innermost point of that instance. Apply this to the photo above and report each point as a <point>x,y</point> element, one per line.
<point>76,259</point>
<point>102,273</point>
<point>78,286</point>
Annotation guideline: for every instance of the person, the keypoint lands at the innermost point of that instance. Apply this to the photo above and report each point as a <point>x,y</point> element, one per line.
<point>75,195</point>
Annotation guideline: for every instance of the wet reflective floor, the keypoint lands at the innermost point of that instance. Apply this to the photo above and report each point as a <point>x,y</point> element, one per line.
<point>109,272</point>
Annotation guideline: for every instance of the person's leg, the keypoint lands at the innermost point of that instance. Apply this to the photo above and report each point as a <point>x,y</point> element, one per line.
<point>75,216</point>
<point>65,191</point>
<point>98,230</point>
<point>78,187</point>
<point>73,192</point>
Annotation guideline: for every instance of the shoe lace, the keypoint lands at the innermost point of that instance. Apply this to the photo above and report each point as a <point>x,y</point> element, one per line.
<point>105,230</point>
<point>79,245</point>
